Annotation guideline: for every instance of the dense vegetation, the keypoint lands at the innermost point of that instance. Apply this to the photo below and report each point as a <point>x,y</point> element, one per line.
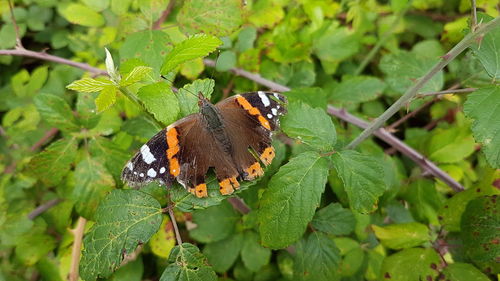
<point>81,89</point>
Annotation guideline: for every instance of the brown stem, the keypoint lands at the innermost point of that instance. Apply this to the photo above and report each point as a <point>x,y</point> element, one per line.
<point>164,15</point>
<point>48,135</point>
<point>473,24</point>
<point>42,208</point>
<point>19,44</point>
<point>77,247</point>
<point>239,205</point>
<point>174,223</point>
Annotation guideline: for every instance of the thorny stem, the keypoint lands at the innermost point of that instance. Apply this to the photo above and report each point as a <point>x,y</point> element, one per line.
<point>19,44</point>
<point>473,15</point>
<point>42,208</point>
<point>77,247</point>
<point>170,210</point>
<point>412,91</point>
<point>445,92</point>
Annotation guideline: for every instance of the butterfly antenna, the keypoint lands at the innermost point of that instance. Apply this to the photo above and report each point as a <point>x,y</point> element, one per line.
<point>171,82</point>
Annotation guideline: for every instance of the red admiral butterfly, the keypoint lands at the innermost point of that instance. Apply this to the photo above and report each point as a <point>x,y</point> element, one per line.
<point>221,136</point>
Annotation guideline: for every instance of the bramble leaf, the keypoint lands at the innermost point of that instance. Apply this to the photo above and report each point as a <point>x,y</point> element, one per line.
<point>188,95</point>
<point>187,263</point>
<point>333,219</point>
<point>487,49</point>
<point>292,196</point>
<point>106,99</point>
<point>215,223</point>
<point>253,255</point>
<point>81,14</point>
<point>411,264</point>
<point>56,112</point>
<point>163,241</point>
<point>463,272</point>
<point>222,254</point>
<point>317,259</point>
<point>136,75</point>
<point>403,235</point>
<point>124,219</point>
<point>358,89</point>
<point>363,179</point>
<point>159,99</point>
<point>150,46</point>
<point>482,106</point>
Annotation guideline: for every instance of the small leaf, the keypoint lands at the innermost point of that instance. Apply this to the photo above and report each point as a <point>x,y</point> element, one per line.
<point>112,236</point>
<point>89,85</point>
<point>292,196</point>
<point>253,255</point>
<point>451,145</point>
<point>312,126</point>
<point>81,14</point>
<point>188,95</point>
<point>109,153</point>
<point>226,61</point>
<point>34,247</point>
<point>106,99</point>
<point>92,183</point>
<point>486,49</point>
<point>159,100</point>
<point>358,89</point>
<point>363,179</point>
<point>51,165</point>
<point>482,106</point>
<point>463,272</point>
<point>317,259</point>
<point>163,241</point>
<point>136,75</point>
<point>110,67</point>
<point>335,220</point>
<point>403,235</point>
<point>194,47</point>
<point>222,254</point>
<point>411,264</point>
<point>187,263</point>
<point>314,97</point>
<point>214,223</point>
<point>150,46</point>
<point>56,112</point>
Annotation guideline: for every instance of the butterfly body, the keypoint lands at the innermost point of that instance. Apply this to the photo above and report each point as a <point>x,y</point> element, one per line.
<point>224,136</point>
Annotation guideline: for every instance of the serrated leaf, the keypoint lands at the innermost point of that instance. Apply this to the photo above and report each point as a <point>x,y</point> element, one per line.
<point>463,272</point>
<point>482,106</point>
<point>188,95</point>
<point>106,98</point>
<point>214,223</point>
<point>363,179</point>
<point>411,264</point>
<point>312,126</point>
<point>314,97</point>
<point>92,183</point>
<point>487,49</point>
<point>336,43</point>
<point>187,263</point>
<point>56,112</point>
<point>226,61</point>
<point>109,153</point>
<point>424,200</point>
<point>253,255</point>
<point>159,100</point>
<point>51,165</point>
<point>317,259</point>
<point>451,145</point>
<point>124,219</point>
<point>163,241</point>
<point>292,196</point>
<point>136,75</point>
<point>198,16</point>
<point>140,126</point>
<point>34,247</point>
<point>81,14</point>
<point>150,46</point>
<point>480,235</point>
<point>403,235</point>
<point>222,254</point>
<point>358,89</point>
<point>335,220</point>
<point>194,47</point>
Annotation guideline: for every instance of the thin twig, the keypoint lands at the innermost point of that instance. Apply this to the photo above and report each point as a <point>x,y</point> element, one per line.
<point>473,15</point>
<point>412,91</point>
<point>386,136</point>
<point>445,92</point>
<point>164,15</point>
<point>174,223</point>
<point>19,44</point>
<point>47,57</point>
<point>77,247</point>
<point>48,135</point>
<point>43,208</point>
<point>382,39</point>
<point>239,205</point>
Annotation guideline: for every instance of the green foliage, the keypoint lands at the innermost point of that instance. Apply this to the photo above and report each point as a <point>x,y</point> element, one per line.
<point>411,264</point>
<point>187,263</point>
<point>401,236</point>
<point>317,258</point>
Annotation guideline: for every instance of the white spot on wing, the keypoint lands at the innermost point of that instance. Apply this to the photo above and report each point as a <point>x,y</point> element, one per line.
<point>269,115</point>
<point>276,95</point>
<point>162,170</point>
<point>130,166</point>
<point>147,156</point>
<point>141,175</point>
<point>264,98</point>
<point>274,111</point>
<point>135,173</point>
<point>151,173</point>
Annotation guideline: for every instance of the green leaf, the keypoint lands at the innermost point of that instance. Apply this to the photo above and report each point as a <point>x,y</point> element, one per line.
<point>222,254</point>
<point>136,75</point>
<point>215,223</point>
<point>163,241</point>
<point>292,196</point>
<point>317,259</point>
<point>226,61</point>
<point>89,85</point>
<point>56,112</point>
<point>335,220</point>
<point>106,99</point>
<point>194,47</point>
<point>480,225</point>
<point>188,95</point>
<point>187,263</point>
<point>336,44</point>
<point>51,165</point>
<point>198,16</point>
<point>132,271</point>
<point>150,46</point>
<point>124,219</point>
<point>310,125</point>
<point>363,179</point>
<point>411,264</point>
<point>482,106</point>
<point>357,89</point>
<point>109,153</point>
<point>451,145</point>
<point>487,49</point>
<point>463,272</point>
<point>403,68</point>
<point>159,100</point>
<point>253,255</point>
<point>424,200</point>
<point>92,183</point>
<point>140,126</point>
<point>246,39</point>
<point>34,247</point>
<point>81,14</point>
<point>315,97</point>
<point>401,236</point>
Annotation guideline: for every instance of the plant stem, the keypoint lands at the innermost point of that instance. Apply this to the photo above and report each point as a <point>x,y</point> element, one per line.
<point>77,247</point>
<point>174,223</point>
<point>383,39</point>
<point>42,208</point>
<point>465,90</point>
<point>19,44</point>
<point>412,91</point>
<point>239,205</point>
<point>138,103</point>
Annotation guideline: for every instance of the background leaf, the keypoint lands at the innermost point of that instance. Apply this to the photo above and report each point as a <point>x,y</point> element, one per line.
<point>56,112</point>
<point>253,255</point>
<point>214,223</point>
<point>317,258</point>
<point>159,100</point>
<point>487,49</point>
<point>411,264</point>
<point>333,219</point>
<point>187,263</point>
<point>401,236</point>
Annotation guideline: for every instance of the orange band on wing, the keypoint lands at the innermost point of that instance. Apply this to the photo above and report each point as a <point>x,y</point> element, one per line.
<point>201,190</point>
<point>174,167</point>
<point>254,171</point>
<point>268,155</point>
<point>173,149</point>
<point>172,137</point>
<point>253,111</point>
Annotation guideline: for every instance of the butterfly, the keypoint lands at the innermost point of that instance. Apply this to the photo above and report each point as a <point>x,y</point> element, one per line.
<point>233,137</point>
